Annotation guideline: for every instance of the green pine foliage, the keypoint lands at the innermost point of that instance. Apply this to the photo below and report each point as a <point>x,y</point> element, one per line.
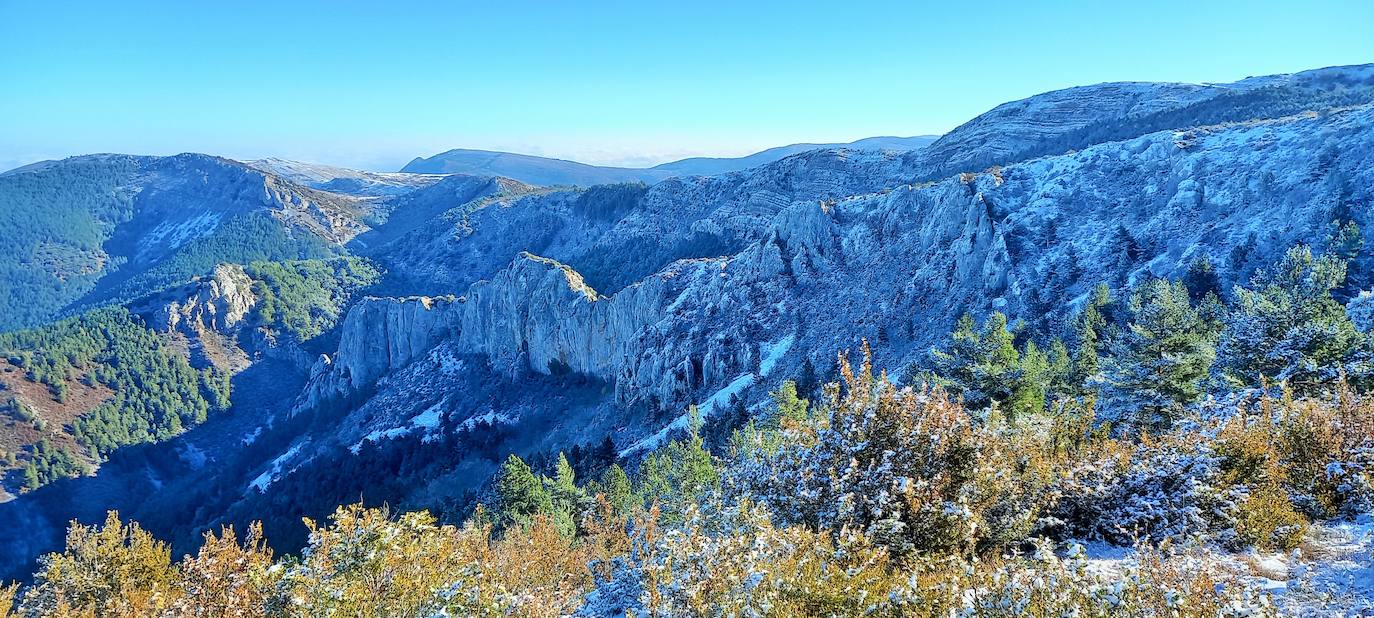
<point>984,366</point>
<point>244,239</point>
<point>306,297</point>
<point>48,463</point>
<point>1160,360</point>
<point>1287,326</point>
<point>157,394</point>
<point>55,224</point>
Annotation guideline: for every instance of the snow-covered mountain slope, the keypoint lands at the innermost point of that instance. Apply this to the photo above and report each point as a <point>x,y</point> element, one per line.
<point>343,180</point>
<point>1074,118</point>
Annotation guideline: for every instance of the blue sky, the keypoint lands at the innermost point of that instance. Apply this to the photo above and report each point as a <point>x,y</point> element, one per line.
<point>372,85</point>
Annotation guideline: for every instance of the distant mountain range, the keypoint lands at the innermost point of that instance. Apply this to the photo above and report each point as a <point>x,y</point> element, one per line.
<point>548,171</point>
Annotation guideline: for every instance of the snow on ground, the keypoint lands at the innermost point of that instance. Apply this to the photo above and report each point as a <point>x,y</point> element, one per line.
<point>174,234</point>
<point>1331,574</point>
<point>1334,567</point>
<point>430,418</point>
<point>490,418</point>
<point>265,479</point>
<point>771,353</point>
<point>379,435</point>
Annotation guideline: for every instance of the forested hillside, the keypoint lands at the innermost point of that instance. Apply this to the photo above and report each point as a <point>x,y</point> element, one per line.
<point>78,389</point>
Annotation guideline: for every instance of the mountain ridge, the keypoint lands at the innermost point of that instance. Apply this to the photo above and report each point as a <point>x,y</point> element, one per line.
<point>552,171</point>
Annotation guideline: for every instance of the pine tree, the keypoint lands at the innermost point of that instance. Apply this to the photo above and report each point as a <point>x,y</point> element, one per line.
<point>1128,252</point>
<point>1240,255</point>
<point>979,363</point>
<point>1201,279</point>
<point>1060,369</point>
<point>568,501</point>
<point>1091,331</point>
<point>1031,385</point>
<point>1287,326</point>
<point>1158,364</point>
<point>615,484</point>
<point>1346,243</point>
<point>806,378</point>
<point>791,407</point>
<point>520,494</point>
<point>31,478</point>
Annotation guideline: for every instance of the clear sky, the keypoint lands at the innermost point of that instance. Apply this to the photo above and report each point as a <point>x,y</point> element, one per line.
<point>372,85</point>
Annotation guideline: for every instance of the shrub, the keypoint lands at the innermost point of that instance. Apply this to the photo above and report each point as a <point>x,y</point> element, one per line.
<point>911,469</point>
<point>110,570</point>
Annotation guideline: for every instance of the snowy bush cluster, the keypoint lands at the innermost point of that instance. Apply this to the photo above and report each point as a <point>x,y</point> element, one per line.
<point>872,499</point>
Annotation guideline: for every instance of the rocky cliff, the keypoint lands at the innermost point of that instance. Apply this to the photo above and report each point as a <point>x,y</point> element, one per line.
<point>378,336</point>
<point>895,264</point>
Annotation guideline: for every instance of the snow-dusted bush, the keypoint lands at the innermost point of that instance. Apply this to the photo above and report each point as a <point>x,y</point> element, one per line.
<point>911,469</point>
<point>1360,310</point>
<point>1163,488</point>
<point>733,561</point>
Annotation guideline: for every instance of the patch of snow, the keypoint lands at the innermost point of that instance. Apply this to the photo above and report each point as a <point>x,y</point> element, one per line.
<point>378,435</point>
<point>718,400</point>
<point>430,418</point>
<point>264,480</point>
<point>173,234</point>
<point>492,418</point>
<point>1334,577</point>
<point>773,352</point>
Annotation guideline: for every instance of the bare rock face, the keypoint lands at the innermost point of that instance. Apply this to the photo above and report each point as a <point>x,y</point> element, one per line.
<point>378,336</point>
<point>216,303</point>
<point>208,313</point>
<point>539,315</point>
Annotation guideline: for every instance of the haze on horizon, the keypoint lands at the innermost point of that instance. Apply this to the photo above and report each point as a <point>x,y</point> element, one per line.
<point>611,83</point>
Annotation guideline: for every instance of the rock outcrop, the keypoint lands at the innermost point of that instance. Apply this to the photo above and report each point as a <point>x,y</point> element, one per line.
<point>217,303</point>
<point>378,336</point>
<point>208,313</point>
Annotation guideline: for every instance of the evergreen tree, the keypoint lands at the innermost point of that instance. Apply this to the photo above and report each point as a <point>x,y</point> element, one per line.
<point>567,499</point>
<point>1060,369</point>
<point>807,381</point>
<point>790,406</point>
<point>1158,363</point>
<point>1201,279</point>
<point>31,478</point>
<point>615,485</point>
<point>1346,243</point>
<point>1241,254</point>
<point>1032,383</point>
<point>981,364</point>
<point>520,494</point>
<point>1128,252</point>
<point>1287,326</point>
<point>1091,329</point>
